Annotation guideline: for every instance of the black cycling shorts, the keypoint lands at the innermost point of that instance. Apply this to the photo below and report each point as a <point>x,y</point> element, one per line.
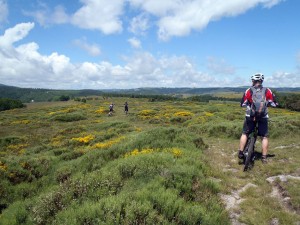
<point>249,126</point>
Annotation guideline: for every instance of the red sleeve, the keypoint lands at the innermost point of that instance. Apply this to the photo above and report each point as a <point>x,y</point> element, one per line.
<point>247,97</point>
<point>269,95</point>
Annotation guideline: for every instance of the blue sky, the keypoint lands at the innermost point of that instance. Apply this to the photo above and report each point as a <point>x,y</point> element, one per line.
<point>148,43</point>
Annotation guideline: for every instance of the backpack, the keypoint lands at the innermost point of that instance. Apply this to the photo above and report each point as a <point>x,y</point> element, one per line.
<point>259,105</point>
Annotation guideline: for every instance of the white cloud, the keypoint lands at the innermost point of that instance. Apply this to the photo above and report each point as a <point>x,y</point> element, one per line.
<point>157,7</point>
<point>179,18</point>
<point>283,79</point>
<point>134,42</point>
<point>59,15</point>
<point>139,24</point>
<point>101,15</point>
<point>269,4</point>
<point>40,16</point>
<point>91,49</point>
<point>25,66</point>
<point>15,34</point>
<point>45,16</point>
<point>219,66</point>
<point>3,11</point>
<point>172,17</point>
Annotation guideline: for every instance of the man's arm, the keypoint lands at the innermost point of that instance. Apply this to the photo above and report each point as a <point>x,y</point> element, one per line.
<point>270,97</point>
<point>247,99</point>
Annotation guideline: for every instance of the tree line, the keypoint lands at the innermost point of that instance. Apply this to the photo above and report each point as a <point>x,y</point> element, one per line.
<point>289,101</point>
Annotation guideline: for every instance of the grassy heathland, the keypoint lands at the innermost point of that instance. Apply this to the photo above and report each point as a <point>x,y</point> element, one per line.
<point>163,163</point>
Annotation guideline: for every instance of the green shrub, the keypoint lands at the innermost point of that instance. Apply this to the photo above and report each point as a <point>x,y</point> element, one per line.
<point>63,174</point>
<point>282,126</point>
<point>7,104</point>
<point>179,119</point>
<point>6,193</point>
<point>49,204</point>
<point>199,143</point>
<point>16,214</point>
<point>163,138</point>
<point>64,98</point>
<point>71,155</point>
<point>5,141</point>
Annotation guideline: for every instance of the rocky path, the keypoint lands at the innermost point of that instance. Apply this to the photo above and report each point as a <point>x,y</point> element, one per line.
<point>225,160</point>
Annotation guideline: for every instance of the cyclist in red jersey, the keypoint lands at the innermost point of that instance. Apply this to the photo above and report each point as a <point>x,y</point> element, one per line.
<point>252,118</point>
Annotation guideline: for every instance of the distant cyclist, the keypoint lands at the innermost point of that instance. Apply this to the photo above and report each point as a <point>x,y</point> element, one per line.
<point>126,107</point>
<point>111,109</point>
<point>256,99</point>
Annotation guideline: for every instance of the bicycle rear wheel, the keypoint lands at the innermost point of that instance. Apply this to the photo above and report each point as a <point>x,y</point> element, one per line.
<point>249,155</point>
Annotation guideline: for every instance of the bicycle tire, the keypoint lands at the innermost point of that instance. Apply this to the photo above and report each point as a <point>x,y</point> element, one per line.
<point>249,156</point>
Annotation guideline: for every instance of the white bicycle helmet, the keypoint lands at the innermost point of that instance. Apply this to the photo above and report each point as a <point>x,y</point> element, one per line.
<point>257,77</point>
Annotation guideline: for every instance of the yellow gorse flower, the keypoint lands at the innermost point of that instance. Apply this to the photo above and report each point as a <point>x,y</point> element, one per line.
<point>208,114</point>
<point>3,166</point>
<point>18,148</point>
<point>108,143</point>
<point>83,106</point>
<point>21,122</point>
<point>146,114</point>
<point>85,139</point>
<point>56,141</point>
<point>184,114</point>
<point>137,152</point>
<point>71,109</point>
<point>176,152</point>
<point>101,110</point>
<point>138,129</point>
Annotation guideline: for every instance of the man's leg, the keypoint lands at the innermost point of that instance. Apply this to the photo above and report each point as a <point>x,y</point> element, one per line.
<point>247,128</point>
<point>265,146</point>
<point>264,151</point>
<point>263,132</point>
<point>243,141</point>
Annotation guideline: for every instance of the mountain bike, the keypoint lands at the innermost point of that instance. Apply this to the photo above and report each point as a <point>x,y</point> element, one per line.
<point>249,153</point>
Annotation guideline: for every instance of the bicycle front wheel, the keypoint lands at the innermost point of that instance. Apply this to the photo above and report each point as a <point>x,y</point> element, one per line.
<point>249,155</point>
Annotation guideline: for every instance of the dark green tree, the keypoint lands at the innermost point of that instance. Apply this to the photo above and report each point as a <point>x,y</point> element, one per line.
<point>64,98</point>
<point>6,104</point>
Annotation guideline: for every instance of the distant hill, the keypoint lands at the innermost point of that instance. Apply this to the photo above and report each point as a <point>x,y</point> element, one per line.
<point>41,95</point>
<point>192,91</point>
<point>38,94</point>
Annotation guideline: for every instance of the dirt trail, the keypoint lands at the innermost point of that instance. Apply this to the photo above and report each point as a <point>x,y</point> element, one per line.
<point>232,202</point>
<point>224,155</point>
<point>280,193</point>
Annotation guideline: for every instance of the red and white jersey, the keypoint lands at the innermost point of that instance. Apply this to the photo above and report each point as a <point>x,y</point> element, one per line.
<point>247,99</point>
